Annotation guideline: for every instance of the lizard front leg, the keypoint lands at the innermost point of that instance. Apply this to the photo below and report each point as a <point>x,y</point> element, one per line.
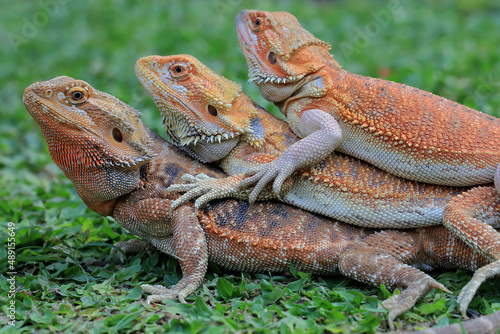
<point>179,235</point>
<point>208,189</point>
<point>321,136</point>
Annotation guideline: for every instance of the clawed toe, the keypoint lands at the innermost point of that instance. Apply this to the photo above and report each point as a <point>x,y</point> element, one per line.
<point>469,290</point>
<point>160,293</point>
<point>399,304</point>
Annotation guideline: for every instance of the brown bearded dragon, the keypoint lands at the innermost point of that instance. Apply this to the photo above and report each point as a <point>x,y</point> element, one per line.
<point>210,117</point>
<point>401,129</point>
<point>121,168</point>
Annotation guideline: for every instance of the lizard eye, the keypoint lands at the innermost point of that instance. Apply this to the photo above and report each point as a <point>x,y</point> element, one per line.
<point>212,110</point>
<point>272,58</point>
<point>178,71</point>
<point>117,135</point>
<point>77,95</point>
<point>257,24</point>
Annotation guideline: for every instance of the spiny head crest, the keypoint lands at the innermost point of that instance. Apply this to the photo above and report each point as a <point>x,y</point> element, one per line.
<point>276,47</point>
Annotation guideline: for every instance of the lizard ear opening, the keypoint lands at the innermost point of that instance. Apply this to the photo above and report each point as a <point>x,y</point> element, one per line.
<point>272,58</point>
<point>117,135</point>
<point>212,110</point>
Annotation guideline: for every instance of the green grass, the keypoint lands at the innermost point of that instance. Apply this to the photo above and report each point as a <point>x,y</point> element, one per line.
<point>69,281</point>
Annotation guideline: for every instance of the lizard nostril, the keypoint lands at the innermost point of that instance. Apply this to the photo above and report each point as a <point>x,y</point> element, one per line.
<point>48,93</point>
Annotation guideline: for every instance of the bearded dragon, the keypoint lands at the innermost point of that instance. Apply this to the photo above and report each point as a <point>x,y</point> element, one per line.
<point>210,117</point>
<point>121,168</point>
<point>401,129</point>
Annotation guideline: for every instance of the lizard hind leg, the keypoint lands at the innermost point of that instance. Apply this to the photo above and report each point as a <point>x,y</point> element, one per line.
<point>382,259</point>
<point>188,245</point>
<point>473,217</point>
<point>461,217</point>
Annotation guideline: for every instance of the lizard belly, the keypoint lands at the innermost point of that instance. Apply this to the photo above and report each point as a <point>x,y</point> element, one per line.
<point>409,163</point>
<point>361,210</point>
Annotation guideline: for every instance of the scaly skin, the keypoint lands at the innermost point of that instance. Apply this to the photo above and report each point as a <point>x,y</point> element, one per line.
<point>400,129</point>
<point>340,187</point>
<point>121,168</point>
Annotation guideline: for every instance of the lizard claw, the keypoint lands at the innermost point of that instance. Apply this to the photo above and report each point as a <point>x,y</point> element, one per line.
<point>191,181</point>
<point>192,189</point>
<point>276,170</point>
<point>159,292</point>
<point>470,289</point>
<point>132,246</point>
<point>399,304</point>
<point>203,187</point>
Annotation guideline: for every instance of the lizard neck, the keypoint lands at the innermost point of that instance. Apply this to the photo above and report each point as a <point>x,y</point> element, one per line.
<point>97,181</point>
<point>262,126</point>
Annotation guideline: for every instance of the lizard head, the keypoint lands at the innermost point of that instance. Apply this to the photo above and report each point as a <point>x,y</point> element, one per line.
<point>201,110</point>
<point>98,141</point>
<point>278,51</point>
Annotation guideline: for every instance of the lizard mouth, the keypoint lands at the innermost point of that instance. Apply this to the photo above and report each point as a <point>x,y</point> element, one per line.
<point>183,131</point>
<point>257,69</point>
<point>255,65</point>
<point>202,145</point>
<point>205,145</point>
<point>256,75</point>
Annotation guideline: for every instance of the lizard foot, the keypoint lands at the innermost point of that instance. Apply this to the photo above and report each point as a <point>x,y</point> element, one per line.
<point>321,135</point>
<point>399,304</point>
<point>278,170</point>
<point>159,292</point>
<point>205,188</point>
<point>132,246</point>
<point>470,289</point>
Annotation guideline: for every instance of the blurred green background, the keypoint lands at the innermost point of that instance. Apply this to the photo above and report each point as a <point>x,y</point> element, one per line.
<point>450,48</point>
